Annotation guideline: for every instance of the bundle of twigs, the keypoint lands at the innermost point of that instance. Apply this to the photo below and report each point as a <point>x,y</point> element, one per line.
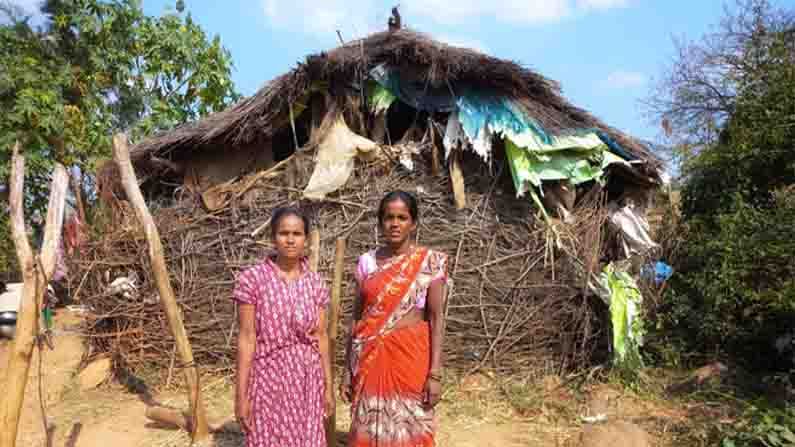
<point>518,299</point>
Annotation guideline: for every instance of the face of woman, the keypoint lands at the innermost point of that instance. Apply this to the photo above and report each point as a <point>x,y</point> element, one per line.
<point>290,237</point>
<point>397,223</point>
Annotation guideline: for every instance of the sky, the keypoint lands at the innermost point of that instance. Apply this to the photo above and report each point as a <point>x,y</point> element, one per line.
<point>604,53</point>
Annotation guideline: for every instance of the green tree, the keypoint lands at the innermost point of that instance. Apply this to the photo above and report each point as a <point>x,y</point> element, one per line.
<point>736,287</point>
<point>95,68</point>
<point>98,67</point>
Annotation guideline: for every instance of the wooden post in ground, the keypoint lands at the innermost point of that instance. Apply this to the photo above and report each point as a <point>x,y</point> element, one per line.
<point>199,428</point>
<point>314,250</point>
<point>457,179</point>
<point>35,275</point>
<point>333,322</point>
<point>435,162</point>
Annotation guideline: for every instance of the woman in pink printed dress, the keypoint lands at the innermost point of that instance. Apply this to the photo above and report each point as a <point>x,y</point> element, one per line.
<point>283,371</point>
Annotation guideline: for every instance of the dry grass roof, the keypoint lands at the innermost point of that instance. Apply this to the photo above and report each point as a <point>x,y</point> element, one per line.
<point>258,116</point>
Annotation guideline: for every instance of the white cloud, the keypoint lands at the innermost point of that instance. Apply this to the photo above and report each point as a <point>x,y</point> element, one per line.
<point>30,8</point>
<point>450,12</point>
<point>624,79</point>
<point>603,4</point>
<point>361,17</point>
<point>463,42</point>
<point>322,17</point>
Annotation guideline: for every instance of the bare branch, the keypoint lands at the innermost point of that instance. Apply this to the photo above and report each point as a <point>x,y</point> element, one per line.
<point>55,214</point>
<point>697,92</point>
<point>16,200</point>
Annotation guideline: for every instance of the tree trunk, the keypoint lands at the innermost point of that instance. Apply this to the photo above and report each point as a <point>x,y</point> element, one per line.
<point>35,276</point>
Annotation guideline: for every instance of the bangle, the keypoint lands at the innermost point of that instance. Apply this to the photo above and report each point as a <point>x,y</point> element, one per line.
<point>435,376</point>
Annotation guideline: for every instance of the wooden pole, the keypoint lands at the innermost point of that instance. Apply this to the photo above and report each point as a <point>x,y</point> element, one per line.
<point>77,190</point>
<point>314,250</point>
<point>435,162</point>
<point>167,298</point>
<point>35,276</point>
<point>457,179</point>
<point>333,323</point>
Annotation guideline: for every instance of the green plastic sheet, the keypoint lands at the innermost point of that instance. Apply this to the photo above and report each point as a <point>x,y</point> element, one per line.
<point>380,98</point>
<point>624,299</point>
<point>530,168</point>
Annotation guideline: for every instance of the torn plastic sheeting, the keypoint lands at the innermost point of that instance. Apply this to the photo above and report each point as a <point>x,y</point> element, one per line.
<point>418,94</point>
<point>621,293</point>
<point>614,146</point>
<point>334,163</point>
<point>380,98</point>
<point>453,135</point>
<point>659,271</point>
<point>483,116</point>
<point>634,230</point>
<point>532,168</point>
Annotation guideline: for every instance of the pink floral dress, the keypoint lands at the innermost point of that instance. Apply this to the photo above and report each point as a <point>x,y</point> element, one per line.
<point>287,384</point>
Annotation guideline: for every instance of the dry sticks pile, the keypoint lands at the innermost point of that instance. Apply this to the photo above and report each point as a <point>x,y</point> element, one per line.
<point>517,302</point>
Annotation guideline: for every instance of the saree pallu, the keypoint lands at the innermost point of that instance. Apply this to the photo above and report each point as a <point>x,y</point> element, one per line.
<point>390,365</point>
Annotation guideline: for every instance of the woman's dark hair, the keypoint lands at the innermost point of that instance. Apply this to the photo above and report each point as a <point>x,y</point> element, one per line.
<point>284,211</point>
<point>403,196</point>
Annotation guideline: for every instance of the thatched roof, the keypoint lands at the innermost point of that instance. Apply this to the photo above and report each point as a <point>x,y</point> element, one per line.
<point>263,114</point>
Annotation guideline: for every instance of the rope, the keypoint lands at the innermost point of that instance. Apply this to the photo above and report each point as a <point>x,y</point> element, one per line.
<point>42,338</point>
<point>180,365</point>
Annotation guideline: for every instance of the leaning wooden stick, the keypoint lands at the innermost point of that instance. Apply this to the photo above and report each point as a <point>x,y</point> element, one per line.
<point>181,419</point>
<point>198,425</point>
<point>34,284</point>
<point>333,321</point>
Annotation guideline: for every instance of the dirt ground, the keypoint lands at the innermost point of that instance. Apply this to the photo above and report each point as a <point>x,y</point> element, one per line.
<point>477,411</point>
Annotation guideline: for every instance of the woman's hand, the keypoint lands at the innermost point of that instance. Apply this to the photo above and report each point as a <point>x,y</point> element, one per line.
<point>433,393</point>
<point>243,414</point>
<point>345,388</point>
<point>330,403</point>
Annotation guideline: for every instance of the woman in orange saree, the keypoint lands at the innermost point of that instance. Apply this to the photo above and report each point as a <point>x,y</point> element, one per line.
<point>394,353</point>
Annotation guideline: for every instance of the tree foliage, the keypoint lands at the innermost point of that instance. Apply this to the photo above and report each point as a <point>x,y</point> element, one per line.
<point>92,69</point>
<point>736,288</point>
<point>98,67</point>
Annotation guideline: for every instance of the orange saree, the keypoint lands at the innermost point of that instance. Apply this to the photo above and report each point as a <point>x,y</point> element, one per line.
<point>390,364</point>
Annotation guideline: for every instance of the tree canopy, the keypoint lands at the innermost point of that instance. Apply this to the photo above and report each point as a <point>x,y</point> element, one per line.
<point>94,68</point>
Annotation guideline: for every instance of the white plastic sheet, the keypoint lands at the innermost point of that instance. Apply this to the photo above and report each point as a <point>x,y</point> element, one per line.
<point>634,230</point>
<point>335,159</point>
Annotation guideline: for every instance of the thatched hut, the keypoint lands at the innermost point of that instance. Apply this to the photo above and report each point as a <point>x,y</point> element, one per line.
<point>513,180</point>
